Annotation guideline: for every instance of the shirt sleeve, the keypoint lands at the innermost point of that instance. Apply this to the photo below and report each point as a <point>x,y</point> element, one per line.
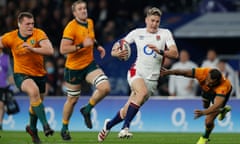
<point>41,35</point>
<point>68,32</point>
<point>130,36</point>
<point>169,39</point>
<point>5,39</point>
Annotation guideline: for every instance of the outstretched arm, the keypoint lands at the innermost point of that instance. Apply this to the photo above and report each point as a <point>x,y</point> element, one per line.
<point>182,72</point>
<point>214,108</point>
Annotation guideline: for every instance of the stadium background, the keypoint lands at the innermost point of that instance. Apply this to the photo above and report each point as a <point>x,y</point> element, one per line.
<point>113,19</point>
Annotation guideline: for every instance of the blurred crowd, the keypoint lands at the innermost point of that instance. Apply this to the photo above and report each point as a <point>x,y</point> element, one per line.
<point>112,18</point>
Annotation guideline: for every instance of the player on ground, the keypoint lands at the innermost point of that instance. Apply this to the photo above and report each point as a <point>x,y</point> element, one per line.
<point>216,89</point>
<point>78,43</point>
<point>28,45</point>
<point>143,75</point>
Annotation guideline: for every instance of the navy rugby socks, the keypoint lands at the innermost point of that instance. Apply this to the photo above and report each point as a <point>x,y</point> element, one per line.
<point>117,119</point>
<point>131,112</point>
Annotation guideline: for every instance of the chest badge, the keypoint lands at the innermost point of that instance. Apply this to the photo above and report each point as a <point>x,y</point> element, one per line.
<point>32,42</point>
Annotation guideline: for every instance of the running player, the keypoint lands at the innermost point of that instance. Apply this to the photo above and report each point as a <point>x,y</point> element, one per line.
<point>28,45</point>
<point>153,44</point>
<point>78,43</point>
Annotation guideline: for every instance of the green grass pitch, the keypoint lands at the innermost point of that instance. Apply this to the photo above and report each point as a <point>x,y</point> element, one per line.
<point>20,137</point>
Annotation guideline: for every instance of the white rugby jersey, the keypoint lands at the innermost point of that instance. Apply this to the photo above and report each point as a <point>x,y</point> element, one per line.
<point>148,62</point>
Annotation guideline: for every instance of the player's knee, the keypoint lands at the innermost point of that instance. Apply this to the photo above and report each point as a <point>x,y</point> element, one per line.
<point>104,90</point>
<point>72,100</point>
<point>33,92</point>
<point>143,94</point>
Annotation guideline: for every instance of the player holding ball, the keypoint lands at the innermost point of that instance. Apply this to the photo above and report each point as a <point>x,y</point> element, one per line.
<point>153,44</point>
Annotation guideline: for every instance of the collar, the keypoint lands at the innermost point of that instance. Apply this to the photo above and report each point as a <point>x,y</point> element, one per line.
<point>22,37</point>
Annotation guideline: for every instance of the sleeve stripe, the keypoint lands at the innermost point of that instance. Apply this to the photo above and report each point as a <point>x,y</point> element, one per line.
<point>42,40</point>
<point>67,38</point>
<point>220,95</point>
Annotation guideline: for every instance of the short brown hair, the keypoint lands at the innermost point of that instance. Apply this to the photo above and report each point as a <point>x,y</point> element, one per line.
<point>154,11</point>
<point>21,15</point>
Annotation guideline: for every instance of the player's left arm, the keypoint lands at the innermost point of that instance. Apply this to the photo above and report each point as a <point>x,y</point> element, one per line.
<point>218,103</point>
<point>216,107</point>
<point>171,52</point>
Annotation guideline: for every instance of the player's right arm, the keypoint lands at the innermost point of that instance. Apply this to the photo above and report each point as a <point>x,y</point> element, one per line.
<point>121,54</point>
<point>115,49</point>
<point>67,43</point>
<point>182,72</point>
<point>116,52</point>
<point>67,46</point>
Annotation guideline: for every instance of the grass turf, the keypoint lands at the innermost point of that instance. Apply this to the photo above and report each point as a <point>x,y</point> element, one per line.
<point>19,137</point>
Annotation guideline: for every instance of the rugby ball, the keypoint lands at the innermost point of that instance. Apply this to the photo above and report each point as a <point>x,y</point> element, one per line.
<point>124,45</point>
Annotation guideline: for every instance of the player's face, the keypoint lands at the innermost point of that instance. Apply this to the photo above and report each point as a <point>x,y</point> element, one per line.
<point>26,26</point>
<point>80,12</point>
<point>211,82</point>
<point>152,23</point>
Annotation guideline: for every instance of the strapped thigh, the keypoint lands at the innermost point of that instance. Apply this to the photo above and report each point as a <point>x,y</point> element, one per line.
<point>99,79</point>
<point>74,93</point>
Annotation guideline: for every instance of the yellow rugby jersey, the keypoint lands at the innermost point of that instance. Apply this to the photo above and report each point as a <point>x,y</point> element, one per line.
<point>77,32</point>
<point>221,90</point>
<point>25,61</point>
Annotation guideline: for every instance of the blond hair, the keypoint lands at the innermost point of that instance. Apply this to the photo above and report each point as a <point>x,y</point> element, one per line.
<point>154,11</point>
